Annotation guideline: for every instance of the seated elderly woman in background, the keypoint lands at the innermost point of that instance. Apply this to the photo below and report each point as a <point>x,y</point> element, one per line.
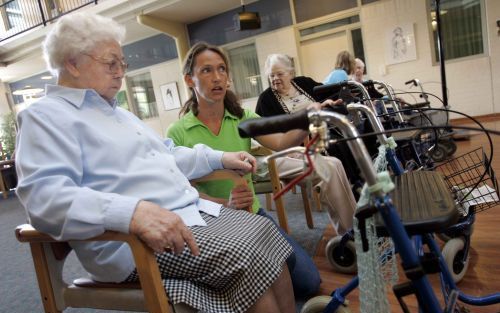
<point>288,94</point>
<point>86,166</point>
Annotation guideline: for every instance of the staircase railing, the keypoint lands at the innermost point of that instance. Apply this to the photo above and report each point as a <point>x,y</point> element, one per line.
<point>19,16</point>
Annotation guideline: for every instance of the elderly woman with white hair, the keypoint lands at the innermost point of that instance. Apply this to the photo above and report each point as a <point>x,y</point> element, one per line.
<point>359,70</point>
<point>86,166</point>
<point>288,94</point>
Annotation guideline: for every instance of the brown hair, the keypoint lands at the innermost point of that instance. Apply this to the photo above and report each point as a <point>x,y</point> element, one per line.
<point>346,62</point>
<point>231,101</point>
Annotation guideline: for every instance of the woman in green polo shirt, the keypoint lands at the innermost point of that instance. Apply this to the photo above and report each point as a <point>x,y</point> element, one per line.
<point>211,116</point>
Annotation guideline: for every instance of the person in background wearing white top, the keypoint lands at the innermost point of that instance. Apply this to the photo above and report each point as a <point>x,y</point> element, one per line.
<point>359,70</point>
<point>86,165</point>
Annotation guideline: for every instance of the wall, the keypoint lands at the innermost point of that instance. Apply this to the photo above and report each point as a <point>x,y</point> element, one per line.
<point>493,15</point>
<point>469,80</point>
<point>163,73</point>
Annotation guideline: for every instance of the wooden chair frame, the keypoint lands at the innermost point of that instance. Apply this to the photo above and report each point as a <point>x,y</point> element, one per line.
<point>277,186</point>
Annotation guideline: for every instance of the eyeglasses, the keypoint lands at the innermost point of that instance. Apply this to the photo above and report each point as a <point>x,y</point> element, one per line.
<point>277,75</point>
<point>114,65</point>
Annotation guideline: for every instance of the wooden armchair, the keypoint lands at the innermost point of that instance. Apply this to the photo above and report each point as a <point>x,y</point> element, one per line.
<point>274,185</point>
<point>148,295</point>
<point>49,256</point>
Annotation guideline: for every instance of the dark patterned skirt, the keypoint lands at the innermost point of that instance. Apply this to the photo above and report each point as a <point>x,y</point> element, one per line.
<point>242,254</point>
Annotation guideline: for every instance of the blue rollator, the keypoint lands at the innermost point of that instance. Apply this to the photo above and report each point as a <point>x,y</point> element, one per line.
<point>397,211</point>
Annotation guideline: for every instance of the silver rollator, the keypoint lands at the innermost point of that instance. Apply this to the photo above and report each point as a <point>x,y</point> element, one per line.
<point>397,210</point>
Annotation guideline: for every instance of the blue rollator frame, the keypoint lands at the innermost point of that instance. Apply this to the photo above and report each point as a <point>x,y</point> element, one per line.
<point>410,250</point>
<point>398,226</point>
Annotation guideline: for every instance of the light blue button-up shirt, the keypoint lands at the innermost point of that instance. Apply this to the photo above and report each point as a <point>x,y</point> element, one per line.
<point>84,164</point>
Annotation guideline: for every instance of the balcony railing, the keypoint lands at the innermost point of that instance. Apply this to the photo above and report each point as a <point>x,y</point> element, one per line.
<point>19,16</point>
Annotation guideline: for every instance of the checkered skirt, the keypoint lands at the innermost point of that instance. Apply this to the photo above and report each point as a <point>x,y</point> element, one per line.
<point>242,254</point>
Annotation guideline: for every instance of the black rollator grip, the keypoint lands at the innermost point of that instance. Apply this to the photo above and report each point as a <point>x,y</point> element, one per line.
<point>274,124</point>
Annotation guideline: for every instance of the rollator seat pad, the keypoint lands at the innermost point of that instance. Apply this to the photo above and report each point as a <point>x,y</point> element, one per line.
<point>423,201</point>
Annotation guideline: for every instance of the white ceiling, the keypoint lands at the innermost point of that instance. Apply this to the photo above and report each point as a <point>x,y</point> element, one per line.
<point>23,56</point>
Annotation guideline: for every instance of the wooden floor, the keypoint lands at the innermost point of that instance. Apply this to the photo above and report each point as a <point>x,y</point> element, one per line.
<point>483,275</point>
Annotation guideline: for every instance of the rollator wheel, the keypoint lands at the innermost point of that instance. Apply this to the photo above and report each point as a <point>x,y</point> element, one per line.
<point>438,153</point>
<point>319,303</point>
<point>342,259</point>
<point>449,146</point>
<point>453,253</point>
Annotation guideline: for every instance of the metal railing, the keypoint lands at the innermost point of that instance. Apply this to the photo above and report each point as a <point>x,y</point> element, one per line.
<point>19,16</point>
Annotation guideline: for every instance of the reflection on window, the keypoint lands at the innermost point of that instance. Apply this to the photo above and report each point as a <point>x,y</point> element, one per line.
<point>461,28</point>
<point>121,99</point>
<point>143,96</point>
<point>245,71</point>
<point>330,25</point>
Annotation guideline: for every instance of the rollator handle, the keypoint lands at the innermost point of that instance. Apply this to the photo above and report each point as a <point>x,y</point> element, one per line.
<point>274,124</point>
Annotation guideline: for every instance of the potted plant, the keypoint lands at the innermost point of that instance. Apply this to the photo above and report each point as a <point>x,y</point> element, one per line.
<point>8,142</point>
<point>8,137</point>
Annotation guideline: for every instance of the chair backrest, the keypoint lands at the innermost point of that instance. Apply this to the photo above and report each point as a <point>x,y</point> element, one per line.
<point>274,185</point>
<point>49,256</point>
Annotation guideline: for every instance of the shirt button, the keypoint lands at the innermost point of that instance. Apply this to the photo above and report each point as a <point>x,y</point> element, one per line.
<point>186,191</point>
<point>139,133</point>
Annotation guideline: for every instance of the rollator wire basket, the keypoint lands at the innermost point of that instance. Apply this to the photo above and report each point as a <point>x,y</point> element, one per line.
<point>464,176</point>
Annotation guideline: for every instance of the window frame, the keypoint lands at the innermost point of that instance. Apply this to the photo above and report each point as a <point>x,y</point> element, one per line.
<point>132,103</point>
<point>239,44</point>
<point>433,44</point>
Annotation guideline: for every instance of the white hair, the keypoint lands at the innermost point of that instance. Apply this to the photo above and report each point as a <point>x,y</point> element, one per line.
<point>281,59</point>
<point>78,33</point>
<point>359,62</point>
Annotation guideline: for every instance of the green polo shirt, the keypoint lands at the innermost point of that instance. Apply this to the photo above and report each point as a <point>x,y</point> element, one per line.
<point>189,130</point>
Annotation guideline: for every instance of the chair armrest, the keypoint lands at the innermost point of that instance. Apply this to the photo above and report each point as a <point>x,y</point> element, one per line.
<point>144,257</point>
<point>221,175</point>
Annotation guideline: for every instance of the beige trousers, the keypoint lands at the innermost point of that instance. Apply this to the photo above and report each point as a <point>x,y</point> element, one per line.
<point>335,193</point>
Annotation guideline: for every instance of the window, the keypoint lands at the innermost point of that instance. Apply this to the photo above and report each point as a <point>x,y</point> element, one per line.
<point>245,71</point>
<point>357,44</point>
<point>143,97</point>
<point>13,14</point>
<point>461,28</point>
<point>305,10</point>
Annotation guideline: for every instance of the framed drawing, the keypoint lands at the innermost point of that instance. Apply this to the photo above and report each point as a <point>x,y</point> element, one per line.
<point>400,44</point>
<point>170,96</point>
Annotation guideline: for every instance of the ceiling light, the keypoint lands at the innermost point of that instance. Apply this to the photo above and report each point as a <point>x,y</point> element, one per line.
<point>47,77</point>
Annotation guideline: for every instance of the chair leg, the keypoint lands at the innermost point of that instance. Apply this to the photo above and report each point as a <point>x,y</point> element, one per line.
<point>269,201</point>
<point>317,201</point>
<point>307,207</point>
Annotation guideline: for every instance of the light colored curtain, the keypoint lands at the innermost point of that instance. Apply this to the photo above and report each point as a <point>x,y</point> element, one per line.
<point>245,71</point>
<point>461,28</point>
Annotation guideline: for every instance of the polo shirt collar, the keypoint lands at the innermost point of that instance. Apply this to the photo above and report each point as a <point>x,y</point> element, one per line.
<point>190,120</point>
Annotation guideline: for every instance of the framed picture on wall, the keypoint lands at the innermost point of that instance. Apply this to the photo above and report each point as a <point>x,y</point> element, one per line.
<point>170,96</point>
<point>400,44</point>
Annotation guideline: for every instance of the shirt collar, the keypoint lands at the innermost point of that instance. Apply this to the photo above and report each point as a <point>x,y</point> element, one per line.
<point>190,120</point>
<point>76,96</point>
